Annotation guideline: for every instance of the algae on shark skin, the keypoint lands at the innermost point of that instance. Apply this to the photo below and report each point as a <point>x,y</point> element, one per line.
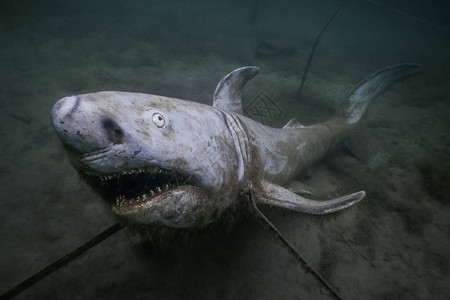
<point>435,173</point>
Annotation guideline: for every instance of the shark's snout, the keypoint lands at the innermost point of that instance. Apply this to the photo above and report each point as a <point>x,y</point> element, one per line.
<point>77,125</point>
<point>61,116</point>
<point>64,108</point>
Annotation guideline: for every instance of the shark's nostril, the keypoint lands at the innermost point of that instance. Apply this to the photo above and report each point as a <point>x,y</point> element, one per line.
<point>113,131</point>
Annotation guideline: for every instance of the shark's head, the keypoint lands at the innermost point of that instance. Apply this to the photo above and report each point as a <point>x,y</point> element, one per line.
<point>155,159</point>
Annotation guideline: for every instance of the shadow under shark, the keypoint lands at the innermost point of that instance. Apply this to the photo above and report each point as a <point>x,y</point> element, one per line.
<point>181,164</point>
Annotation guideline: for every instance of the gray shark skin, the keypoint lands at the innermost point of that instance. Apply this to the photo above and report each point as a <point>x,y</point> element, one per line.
<point>182,164</point>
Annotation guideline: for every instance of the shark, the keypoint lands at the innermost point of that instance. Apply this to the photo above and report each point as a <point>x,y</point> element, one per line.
<point>182,164</point>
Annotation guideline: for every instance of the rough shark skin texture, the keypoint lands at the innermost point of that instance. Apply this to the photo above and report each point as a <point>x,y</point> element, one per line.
<point>188,162</point>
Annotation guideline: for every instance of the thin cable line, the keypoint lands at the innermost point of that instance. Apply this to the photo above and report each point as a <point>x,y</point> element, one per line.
<point>313,50</point>
<point>56,265</point>
<point>294,251</point>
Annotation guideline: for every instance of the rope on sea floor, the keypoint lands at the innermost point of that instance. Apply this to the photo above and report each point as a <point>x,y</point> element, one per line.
<point>56,265</point>
<point>294,251</point>
<point>313,50</point>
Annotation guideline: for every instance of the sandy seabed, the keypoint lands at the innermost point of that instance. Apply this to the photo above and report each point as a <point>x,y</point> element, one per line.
<point>393,245</point>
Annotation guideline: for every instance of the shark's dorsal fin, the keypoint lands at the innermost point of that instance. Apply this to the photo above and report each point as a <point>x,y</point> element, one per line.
<point>228,92</point>
<point>292,124</point>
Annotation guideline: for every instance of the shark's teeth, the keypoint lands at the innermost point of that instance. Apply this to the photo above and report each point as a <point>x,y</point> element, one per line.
<point>141,185</point>
<point>150,170</point>
<point>122,201</point>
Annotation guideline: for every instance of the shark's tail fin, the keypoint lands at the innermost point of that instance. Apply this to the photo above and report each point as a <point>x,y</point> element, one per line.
<point>373,85</point>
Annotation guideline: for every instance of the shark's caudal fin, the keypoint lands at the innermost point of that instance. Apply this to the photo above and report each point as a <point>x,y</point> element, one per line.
<point>373,85</point>
<point>228,92</point>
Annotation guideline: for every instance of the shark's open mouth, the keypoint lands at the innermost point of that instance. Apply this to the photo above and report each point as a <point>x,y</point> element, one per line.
<point>136,186</point>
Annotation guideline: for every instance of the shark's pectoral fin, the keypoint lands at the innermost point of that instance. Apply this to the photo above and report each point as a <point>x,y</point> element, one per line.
<point>228,92</point>
<point>276,195</point>
<point>300,188</point>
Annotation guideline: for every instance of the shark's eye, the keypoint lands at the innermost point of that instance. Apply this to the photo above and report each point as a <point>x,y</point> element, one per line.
<point>159,120</point>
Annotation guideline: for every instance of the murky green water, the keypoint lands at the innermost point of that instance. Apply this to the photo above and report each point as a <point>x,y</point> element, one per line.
<point>393,245</point>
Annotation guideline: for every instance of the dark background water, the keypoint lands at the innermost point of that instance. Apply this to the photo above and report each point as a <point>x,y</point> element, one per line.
<point>393,245</point>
